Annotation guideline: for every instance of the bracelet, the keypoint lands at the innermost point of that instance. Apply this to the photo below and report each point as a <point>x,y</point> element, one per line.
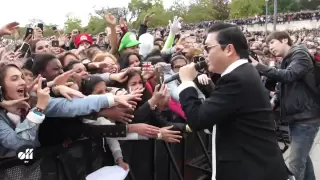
<point>159,135</point>
<point>39,110</point>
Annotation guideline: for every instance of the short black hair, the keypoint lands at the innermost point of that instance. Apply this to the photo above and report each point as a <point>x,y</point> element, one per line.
<point>40,62</point>
<point>231,34</point>
<point>89,84</point>
<point>279,35</point>
<point>28,64</point>
<point>69,66</point>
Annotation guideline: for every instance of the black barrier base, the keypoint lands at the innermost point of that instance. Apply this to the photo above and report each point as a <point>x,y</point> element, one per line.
<point>201,163</point>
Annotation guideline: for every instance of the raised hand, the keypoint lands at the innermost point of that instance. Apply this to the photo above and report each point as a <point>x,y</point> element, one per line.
<point>148,18</point>
<point>33,86</point>
<point>176,25</point>
<point>122,22</point>
<point>98,65</point>
<point>37,33</point>
<point>125,99</point>
<point>8,29</point>
<point>119,77</point>
<point>67,92</point>
<point>203,79</point>
<point>62,79</point>
<point>8,56</point>
<point>63,39</point>
<point>159,93</point>
<point>42,95</point>
<point>15,106</point>
<point>111,20</point>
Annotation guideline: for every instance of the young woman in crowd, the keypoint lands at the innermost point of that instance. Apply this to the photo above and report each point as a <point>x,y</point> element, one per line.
<point>16,132</point>
<point>147,111</point>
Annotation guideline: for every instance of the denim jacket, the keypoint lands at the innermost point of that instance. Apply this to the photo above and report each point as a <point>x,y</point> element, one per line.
<point>25,133</point>
<point>173,85</point>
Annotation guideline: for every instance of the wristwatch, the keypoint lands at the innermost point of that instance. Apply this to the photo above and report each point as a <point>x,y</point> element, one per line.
<point>153,107</point>
<point>38,111</point>
<point>159,135</point>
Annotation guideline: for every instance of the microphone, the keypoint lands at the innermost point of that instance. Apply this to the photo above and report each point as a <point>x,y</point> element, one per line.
<point>198,66</point>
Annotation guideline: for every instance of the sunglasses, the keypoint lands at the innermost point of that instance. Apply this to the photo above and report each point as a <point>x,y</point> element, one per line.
<point>207,48</point>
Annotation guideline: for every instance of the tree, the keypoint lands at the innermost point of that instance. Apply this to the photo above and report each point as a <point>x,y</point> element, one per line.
<point>95,25</point>
<point>47,30</point>
<point>285,6</point>
<point>178,8</point>
<point>309,4</point>
<point>160,18</point>
<point>72,23</point>
<point>246,8</point>
<point>200,11</point>
<point>221,9</point>
<point>136,7</point>
<point>33,22</point>
<point>115,11</point>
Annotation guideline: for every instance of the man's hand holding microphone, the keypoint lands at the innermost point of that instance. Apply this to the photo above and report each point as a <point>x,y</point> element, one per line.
<point>188,72</point>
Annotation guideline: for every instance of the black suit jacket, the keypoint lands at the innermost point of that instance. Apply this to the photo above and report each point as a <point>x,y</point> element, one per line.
<point>246,142</point>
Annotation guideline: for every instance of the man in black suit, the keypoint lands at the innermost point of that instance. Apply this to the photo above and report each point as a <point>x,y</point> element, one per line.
<point>246,142</point>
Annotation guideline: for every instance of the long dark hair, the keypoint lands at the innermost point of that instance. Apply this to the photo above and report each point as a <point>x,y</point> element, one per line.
<point>146,95</point>
<point>125,61</point>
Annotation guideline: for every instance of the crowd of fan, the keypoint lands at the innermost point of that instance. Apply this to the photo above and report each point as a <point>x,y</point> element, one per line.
<point>260,19</point>
<point>106,87</point>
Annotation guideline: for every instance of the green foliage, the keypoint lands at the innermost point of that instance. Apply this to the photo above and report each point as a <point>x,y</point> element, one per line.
<point>115,11</point>
<point>246,8</point>
<point>136,7</point>
<point>195,11</point>
<point>72,23</point>
<point>95,25</point>
<point>310,4</point>
<point>160,18</point>
<point>221,9</point>
<point>199,10</point>
<point>285,6</point>
<point>178,8</point>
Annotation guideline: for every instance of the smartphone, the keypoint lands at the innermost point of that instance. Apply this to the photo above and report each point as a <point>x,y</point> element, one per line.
<point>55,43</point>
<point>28,32</point>
<point>24,48</point>
<point>253,55</point>
<point>159,76</point>
<point>40,25</point>
<point>1,94</point>
<point>197,59</point>
<point>44,83</point>
<point>146,66</point>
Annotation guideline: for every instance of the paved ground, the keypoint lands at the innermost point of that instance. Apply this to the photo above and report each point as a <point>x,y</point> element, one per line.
<point>315,156</point>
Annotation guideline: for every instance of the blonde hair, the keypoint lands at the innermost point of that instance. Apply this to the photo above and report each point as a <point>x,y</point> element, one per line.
<point>101,56</point>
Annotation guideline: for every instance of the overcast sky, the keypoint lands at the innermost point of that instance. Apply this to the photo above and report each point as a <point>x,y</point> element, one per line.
<point>55,11</point>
